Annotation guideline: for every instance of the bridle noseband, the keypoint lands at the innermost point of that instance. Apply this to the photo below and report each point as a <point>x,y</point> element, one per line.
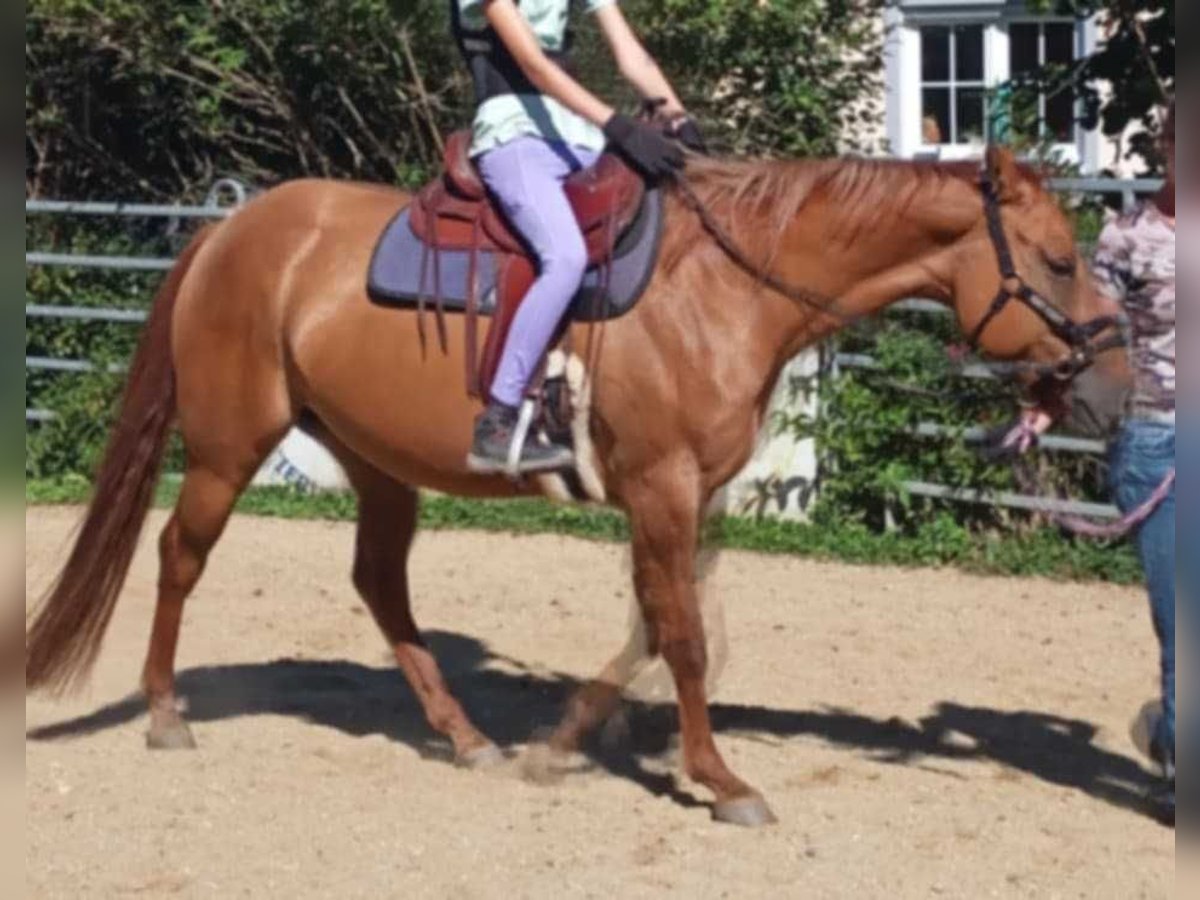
<point>1080,338</point>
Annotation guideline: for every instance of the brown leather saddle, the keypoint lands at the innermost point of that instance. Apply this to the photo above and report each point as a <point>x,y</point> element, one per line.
<point>455,212</point>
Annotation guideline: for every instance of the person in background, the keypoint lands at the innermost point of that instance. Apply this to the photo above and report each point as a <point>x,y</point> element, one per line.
<point>1135,265</point>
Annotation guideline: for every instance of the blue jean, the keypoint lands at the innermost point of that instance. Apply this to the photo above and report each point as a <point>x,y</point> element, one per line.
<point>526,176</point>
<point>1141,456</point>
<point>1188,572</point>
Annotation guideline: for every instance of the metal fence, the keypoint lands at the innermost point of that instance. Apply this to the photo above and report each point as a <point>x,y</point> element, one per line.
<point>227,195</point>
<point>223,199</point>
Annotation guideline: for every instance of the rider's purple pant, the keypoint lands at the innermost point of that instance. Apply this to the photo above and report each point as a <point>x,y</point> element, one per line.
<point>526,176</point>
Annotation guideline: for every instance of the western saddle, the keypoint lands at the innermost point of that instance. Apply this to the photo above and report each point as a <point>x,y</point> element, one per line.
<point>455,212</point>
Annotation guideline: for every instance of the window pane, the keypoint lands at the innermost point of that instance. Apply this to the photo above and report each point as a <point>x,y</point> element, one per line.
<point>1023,49</point>
<point>935,54</point>
<point>935,115</point>
<point>969,103</point>
<point>1060,43</point>
<point>968,49</point>
<point>1060,116</point>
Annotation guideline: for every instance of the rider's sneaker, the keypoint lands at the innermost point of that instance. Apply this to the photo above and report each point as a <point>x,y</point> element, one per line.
<point>494,431</point>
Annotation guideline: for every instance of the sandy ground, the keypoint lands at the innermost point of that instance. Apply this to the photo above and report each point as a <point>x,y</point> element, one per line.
<point>919,733</point>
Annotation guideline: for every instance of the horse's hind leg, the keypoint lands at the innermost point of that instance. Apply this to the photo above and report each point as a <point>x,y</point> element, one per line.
<point>387,523</point>
<point>223,453</point>
<point>205,501</point>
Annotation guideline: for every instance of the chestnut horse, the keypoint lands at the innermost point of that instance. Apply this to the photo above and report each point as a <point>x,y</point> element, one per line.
<point>264,322</point>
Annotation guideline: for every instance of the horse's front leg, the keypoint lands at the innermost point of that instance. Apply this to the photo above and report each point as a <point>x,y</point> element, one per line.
<point>665,514</point>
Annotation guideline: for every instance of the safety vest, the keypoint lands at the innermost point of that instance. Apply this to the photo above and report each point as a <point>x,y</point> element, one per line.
<point>494,72</point>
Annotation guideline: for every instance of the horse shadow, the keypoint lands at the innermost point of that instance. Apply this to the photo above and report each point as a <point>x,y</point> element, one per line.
<point>514,704</point>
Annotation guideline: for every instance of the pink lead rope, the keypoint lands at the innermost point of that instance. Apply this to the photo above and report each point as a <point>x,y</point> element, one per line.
<point>1025,434</point>
<point>1127,522</point>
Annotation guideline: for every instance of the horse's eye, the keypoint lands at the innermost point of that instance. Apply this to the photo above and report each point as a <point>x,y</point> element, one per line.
<point>1062,266</point>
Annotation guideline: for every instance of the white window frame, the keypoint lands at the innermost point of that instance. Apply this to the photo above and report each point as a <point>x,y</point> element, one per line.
<point>954,150</point>
<point>904,76</point>
<point>952,85</point>
<point>1072,147</point>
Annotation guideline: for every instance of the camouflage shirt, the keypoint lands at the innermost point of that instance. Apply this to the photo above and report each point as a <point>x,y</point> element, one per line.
<point>1135,265</point>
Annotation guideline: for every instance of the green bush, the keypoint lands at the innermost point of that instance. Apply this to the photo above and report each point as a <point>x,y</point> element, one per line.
<point>83,402</point>
<point>868,446</point>
<point>157,98</point>
<point>867,418</point>
<point>786,78</point>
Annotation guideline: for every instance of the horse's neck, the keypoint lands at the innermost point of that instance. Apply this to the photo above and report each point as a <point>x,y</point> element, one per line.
<point>860,259</point>
<point>864,259</point>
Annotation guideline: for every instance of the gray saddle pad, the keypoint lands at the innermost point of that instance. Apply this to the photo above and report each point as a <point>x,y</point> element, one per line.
<point>395,277</point>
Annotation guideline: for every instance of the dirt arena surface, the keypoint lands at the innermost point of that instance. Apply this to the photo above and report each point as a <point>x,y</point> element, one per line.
<point>919,733</point>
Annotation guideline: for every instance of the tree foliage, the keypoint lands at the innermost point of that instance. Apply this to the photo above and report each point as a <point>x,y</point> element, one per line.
<point>1131,74</point>
<point>789,77</point>
<point>158,98</point>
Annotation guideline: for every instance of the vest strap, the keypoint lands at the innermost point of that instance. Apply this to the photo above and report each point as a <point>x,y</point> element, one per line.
<point>494,72</point>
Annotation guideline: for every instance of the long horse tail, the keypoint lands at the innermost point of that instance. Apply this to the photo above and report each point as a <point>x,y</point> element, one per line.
<point>64,639</point>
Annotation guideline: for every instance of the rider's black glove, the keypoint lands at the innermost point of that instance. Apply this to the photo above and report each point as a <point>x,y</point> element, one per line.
<point>644,147</point>
<point>687,132</point>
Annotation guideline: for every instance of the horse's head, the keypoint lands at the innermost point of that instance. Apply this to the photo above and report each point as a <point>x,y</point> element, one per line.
<point>1023,293</point>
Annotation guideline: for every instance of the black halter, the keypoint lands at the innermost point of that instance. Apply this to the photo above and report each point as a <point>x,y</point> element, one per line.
<point>1080,337</point>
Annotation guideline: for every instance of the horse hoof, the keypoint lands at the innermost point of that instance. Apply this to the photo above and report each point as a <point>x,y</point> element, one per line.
<point>749,812</point>
<point>488,756</point>
<point>170,737</point>
<point>542,764</point>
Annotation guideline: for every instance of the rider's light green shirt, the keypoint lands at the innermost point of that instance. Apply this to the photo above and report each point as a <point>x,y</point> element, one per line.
<point>503,119</point>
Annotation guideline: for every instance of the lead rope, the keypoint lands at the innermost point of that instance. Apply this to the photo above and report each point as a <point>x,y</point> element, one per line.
<point>1023,437</point>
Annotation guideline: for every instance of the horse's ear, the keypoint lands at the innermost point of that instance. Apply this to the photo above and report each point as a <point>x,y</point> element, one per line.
<point>1002,171</point>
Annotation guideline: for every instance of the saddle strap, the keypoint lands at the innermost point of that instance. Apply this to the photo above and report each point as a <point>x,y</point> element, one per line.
<point>434,249</point>
<point>439,305</point>
<point>595,332</point>
<point>514,278</point>
<point>471,325</point>
<point>425,251</point>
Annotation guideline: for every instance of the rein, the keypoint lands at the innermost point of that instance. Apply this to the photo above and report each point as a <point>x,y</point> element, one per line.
<point>1122,526</point>
<point>814,300</point>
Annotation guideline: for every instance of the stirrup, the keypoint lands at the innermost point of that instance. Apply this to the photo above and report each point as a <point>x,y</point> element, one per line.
<point>512,466</point>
